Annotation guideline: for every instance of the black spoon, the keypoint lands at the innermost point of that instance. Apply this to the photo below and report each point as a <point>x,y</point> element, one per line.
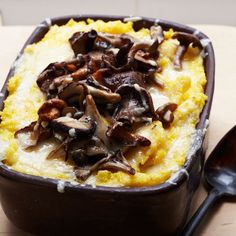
<point>220,175</point>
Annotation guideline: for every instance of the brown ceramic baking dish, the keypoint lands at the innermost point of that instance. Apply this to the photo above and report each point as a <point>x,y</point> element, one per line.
<point>34,204</point>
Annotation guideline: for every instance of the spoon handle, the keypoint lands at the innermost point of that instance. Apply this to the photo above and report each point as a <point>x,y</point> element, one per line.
<point>200,213</point>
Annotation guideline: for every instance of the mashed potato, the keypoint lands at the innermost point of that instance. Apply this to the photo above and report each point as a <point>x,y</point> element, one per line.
<point>154,164</point>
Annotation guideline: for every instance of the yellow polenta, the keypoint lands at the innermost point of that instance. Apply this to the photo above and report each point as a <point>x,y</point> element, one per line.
<point>154,164</point>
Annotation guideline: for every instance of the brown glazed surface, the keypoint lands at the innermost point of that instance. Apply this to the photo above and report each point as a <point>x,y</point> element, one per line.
<point>33,203</point>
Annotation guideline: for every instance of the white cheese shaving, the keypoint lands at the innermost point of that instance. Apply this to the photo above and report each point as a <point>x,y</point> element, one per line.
<point>196,32</point>
<point>114,50</point>
<point>17,61</point>
<point>167,115</point>
<point>57,136</point>
<point>72,132</point>
<point>204,54</point>
<point>3,146</point>
<point>69,114</point>
<point>158,98</point>
<point>197,139</point>
<point>172,180</point>
<point>205,42</point>
<point>157,21</point>
<point>61,186</point>
<point>132,19</point>
<point>48,22</point>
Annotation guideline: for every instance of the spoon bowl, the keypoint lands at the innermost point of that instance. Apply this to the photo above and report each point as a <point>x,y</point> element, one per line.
<point>220,175</point>
<point>220,167</point>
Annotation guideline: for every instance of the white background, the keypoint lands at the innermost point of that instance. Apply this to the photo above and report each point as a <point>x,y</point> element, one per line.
<point>28,12</point>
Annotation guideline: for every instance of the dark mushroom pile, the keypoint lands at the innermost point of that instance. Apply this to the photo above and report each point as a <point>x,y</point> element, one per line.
<point>95,102</point>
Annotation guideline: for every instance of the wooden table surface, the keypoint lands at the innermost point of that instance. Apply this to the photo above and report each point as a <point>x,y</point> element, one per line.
<point>221,220</point>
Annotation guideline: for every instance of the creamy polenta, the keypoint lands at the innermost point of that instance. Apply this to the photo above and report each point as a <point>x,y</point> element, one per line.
<point>154,164</point>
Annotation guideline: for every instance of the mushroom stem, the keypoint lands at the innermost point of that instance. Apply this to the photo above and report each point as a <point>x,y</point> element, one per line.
<point>124,137</point>
<point>185,39</point>
<point>181,50</point>
<point>118,163</point>
<point>32,134</point>
<point>113,162</point>
<point>84,173</point>
<point>165,114</point>
<point>54,152</point>
<point>157,34</point>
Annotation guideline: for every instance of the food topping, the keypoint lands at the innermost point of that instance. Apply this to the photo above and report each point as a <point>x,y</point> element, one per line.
<point>97,101</point>
<point>165,114</point>
<point>185,39</point>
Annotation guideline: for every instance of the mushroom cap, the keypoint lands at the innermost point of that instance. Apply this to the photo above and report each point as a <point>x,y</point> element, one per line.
<point>87,151</point>
<point>57,69</point>
<point>85,126</point>
<point>131,77</point>
<point>82,42</point>
<point>136,105</point>
<point>165,114</point>
<point>72,112</point>
<point>124,137</point>
<point>117,163</point>
<point>121,56</point>
<point>51,109</point>
<point>103,96</point>
<point>186,39</point>
<point>113,162</point>
<point>32,134</point>
<point>156,33</point>
<point>74,93</point>
<point>81,73</point>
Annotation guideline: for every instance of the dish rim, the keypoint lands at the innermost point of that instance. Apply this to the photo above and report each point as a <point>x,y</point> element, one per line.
<point>209,67</point>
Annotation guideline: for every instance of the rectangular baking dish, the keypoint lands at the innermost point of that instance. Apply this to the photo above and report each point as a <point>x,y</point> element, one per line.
<point>34,204</point>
